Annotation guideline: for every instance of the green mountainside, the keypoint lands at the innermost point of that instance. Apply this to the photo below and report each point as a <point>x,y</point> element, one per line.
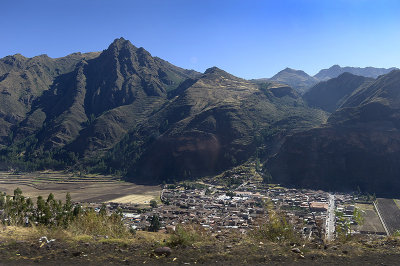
<point>359,147</point>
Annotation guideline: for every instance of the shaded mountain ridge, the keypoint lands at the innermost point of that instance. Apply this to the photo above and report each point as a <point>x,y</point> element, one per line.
<point>331,94</point>
<point>359,147</point>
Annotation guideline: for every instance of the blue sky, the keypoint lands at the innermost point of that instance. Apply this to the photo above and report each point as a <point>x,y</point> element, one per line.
<point>249,38</point>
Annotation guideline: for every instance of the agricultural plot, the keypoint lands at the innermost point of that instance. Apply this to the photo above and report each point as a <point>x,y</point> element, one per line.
<point>371,223</point>
<point>390,214</point>
<point>135,199</point>
<point>94,188</point>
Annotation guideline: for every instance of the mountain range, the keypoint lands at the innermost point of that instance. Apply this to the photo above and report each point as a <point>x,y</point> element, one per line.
<point>123,111</point>
<point>302,82</point>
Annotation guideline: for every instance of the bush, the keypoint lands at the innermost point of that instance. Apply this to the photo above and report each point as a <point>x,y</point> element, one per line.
<point>153,203</point>
<point>91,223</point>
<point>278,229</point>
<point>186,235</point>
<point>154,224</point>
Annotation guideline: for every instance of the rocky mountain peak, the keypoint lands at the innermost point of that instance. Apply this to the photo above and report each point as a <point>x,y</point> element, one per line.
<point>215,71</point>
<point>120,46</point>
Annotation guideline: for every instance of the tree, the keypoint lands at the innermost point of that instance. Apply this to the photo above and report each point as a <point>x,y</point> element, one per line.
<point>103,210</point>
<point>2,200</point>
<point>230,194</point>
<point>40,206</point>
<point>258,165</point>
<point>358,217</point>
<point>17,192</point>
<point>154,223</point>
<point>68,203</point>
<point>343,229</point>
<point>267,178</point>
<point>50,197</point>
<point>77,210</point>
<point>153,203</point>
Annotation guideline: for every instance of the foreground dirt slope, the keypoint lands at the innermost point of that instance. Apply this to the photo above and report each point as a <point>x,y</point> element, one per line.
<point>223,250</point>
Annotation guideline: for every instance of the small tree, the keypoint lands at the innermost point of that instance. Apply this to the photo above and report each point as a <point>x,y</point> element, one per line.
<point>103,210</point>
<point>153,204</point>
<point>2,200</point>
<point>358,217</point>
<point>17,192</point>
<point>230,194</point>
<point>154,224</point>
<point>40,206</point>
<point>267,177</point>
<point>343,229</point>
<point>68,203</point>
<point>50,198</point>
<point>77,210</point>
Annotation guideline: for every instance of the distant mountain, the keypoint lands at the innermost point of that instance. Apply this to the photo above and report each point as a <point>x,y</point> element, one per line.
<point>297,79</point>
<point>331,94</point>
<point>124,111</point>
<point>359,147</point>
<point>335,70</point>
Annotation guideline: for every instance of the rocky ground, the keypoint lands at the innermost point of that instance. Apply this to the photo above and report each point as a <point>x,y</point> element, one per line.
<point>21,247</point>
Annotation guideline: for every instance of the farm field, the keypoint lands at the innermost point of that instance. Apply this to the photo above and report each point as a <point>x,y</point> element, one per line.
<point>88,189</point>
<point>371,223</point>
<point>390,213</point>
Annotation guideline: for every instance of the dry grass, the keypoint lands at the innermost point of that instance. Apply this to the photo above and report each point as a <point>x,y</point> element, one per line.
<point>12,234</point>
<point>364,207</point>
<point>134,199</point>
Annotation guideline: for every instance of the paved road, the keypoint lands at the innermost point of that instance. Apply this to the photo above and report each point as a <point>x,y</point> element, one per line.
<point>330,221</point>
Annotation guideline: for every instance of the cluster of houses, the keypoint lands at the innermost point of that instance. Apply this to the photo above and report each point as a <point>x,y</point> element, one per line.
<point>218,209</point>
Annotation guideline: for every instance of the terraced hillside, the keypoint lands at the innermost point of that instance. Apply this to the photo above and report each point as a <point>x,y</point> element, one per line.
<point>88,189</point>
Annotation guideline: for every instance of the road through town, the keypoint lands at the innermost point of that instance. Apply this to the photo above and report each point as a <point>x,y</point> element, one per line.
<point>330,219</point>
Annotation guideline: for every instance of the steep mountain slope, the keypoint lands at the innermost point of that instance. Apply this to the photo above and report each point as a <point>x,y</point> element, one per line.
<point>359,146</point>
<point>335,70</point>
<point>93,106</point>
<point>297,79</point>
<point>23,80</point>
<point>330,95</point>
<point>213,123</point>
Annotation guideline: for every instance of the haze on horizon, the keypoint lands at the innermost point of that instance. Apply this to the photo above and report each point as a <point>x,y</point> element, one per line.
<point>250,39</point>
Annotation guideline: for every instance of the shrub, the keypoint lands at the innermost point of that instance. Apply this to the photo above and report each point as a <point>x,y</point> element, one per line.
<point>278,229</point>
<point>154,224</point>
<point>186,235</point>
<point>91,223</point>
<point>153,204</point>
